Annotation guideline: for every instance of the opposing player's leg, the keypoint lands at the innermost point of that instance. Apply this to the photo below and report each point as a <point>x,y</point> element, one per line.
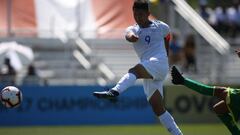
<point>226,117</point>
<point>137,72</point>
<point>201,88</point>
<point>177,79</point>
<point>156,101</point>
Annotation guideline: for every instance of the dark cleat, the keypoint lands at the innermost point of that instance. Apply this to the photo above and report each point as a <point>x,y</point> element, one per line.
<point>111,95</point>
<point>177,77</point>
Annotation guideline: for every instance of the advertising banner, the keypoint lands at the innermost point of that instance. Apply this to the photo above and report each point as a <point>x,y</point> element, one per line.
<point>76,106</point>
<point>188,106</point>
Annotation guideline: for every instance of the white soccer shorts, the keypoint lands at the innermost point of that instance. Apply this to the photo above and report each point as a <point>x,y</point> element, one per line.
<point>158,69</point>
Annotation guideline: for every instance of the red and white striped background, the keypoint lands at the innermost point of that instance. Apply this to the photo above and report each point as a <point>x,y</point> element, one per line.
<point>93,18</point>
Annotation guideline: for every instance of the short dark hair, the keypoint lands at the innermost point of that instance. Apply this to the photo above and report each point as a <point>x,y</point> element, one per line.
<point>141,4</point>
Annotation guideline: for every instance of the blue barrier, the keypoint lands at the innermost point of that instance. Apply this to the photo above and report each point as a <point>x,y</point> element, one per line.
<point>75,105</point>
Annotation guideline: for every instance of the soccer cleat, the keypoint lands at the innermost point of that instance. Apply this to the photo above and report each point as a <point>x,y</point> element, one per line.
<point>111,94</point>
<point>177,77</point>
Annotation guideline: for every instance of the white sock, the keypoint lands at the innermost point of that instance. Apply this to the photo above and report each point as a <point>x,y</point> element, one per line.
<point>126,81</point>
<point>168,122</point>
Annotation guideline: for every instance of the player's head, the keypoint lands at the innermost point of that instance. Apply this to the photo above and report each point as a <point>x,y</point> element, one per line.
<point>141,11</point>
<point>141,4</point>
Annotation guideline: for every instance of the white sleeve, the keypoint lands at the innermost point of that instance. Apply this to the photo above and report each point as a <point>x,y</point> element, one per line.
<point>165,29</point>
<point>130,29</point>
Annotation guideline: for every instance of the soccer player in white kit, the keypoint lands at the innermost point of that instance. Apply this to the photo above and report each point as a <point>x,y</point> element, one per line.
<point>150,39</point>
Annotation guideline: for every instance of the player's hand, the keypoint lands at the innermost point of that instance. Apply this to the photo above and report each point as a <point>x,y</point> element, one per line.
<point>131,37</point>
<point>238,52</point>
<point>177,77</point>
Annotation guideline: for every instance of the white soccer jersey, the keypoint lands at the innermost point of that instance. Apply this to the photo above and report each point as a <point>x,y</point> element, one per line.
<point>151,40</point>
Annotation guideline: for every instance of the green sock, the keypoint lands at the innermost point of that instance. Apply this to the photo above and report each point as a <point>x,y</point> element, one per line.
<point>230,123</point>
<point>199,87</point>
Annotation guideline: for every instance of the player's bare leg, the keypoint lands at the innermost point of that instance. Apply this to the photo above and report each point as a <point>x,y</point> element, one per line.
<point>220,92</point>
<point>223,112</point>
<point>140,72</point>
<point>156,101</point>
<point>226,117</point>
<point>220,107</point>
<point>137,72</point>
<point>157,104</point>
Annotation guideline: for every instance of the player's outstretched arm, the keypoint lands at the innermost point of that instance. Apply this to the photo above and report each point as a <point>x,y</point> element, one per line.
<point>178,79</point>
<point>131,37</point>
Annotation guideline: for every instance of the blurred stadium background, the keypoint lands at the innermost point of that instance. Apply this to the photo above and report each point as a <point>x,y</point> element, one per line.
<point>66,49</point>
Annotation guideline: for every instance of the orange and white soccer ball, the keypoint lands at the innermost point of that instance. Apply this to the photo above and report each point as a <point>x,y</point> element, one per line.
<point>11,96</point>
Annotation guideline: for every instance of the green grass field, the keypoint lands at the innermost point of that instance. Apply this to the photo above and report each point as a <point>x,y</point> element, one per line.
<point>188,129</point>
